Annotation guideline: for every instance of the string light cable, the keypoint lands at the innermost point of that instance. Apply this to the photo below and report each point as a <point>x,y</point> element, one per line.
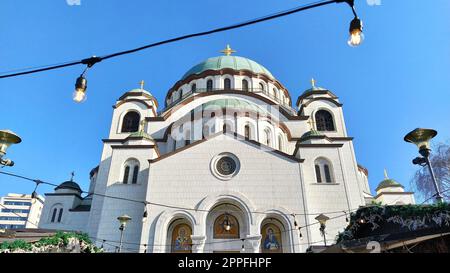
<point>355,31</point>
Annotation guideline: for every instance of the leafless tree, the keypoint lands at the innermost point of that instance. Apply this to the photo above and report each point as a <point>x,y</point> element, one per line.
<point>440,161</point>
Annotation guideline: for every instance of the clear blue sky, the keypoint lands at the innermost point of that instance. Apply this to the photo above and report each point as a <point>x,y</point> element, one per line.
<point>396,81</point>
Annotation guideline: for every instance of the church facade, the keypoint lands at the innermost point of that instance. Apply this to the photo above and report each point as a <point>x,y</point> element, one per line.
<point>227,166</point>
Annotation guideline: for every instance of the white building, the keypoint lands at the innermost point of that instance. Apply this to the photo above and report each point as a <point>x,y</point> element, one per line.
<point>227,162</point>
<point>19,211</point>
<point>390,192</point>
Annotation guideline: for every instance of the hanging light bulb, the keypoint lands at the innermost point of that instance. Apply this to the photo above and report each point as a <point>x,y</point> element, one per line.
<point>79,95</point>
<point>226,223</point>
<point>300,231</point>
<point>243,245</point>
<point>356,35</point>
<point>34,194</point>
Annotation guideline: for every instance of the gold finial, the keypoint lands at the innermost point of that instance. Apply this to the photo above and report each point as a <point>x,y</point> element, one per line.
<point>311,123</point>
<point>228,51</point>
<point>313,82</point>
<point>385,174</point>
<point>142,84</point>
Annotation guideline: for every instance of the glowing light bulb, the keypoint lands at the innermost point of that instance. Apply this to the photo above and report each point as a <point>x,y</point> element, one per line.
<point>356,35</point>
<point>79,95</point>
<point>355,38</point>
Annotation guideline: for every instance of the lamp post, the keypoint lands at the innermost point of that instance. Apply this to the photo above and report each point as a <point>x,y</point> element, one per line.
<point>421,138</point>
<point>322,220</point>
<point>124,219</point>
<point>7,138</point>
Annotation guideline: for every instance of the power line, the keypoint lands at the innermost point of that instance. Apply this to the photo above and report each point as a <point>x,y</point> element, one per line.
<point>93,60</point>
<point>144,202</point>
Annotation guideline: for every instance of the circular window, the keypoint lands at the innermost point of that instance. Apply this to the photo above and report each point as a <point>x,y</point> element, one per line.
<point>224,166</point>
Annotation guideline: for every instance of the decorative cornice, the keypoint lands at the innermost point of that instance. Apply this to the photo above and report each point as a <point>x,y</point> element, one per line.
<point>234,92</point>
<point>315,92</point>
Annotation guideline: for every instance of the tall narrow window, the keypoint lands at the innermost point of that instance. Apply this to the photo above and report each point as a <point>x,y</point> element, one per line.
<point>247,132</point>
<point>54,215</point>
<point>126,173</point>
<point>187,138</point>
<point>60,215</point>
<point>324,121</point>
<point>135,174</point>
<point>261,86</point>
<point>130,122</point>
<point>227,84</point>
<point>209,85</point>
<point>280,142</point>
<point>193,88</point>
<point>244,85</point>
<point>318,175</point>
<point>326,170</point>
<point>268,140</point>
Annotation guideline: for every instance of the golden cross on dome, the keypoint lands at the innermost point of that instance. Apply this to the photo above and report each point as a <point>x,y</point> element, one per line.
<point>313,82</point>
<point>72,174</point>
<point>228,51</point>
<point>142,84</point>
<point>311,123</point>
<point>385,174</point>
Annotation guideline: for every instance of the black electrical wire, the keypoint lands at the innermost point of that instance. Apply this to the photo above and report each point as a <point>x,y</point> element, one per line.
<point>93,60</point>
<point>37,181</point>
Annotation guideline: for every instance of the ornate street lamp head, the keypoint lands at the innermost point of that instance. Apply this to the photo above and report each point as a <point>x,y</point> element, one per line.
<point>421,137</point>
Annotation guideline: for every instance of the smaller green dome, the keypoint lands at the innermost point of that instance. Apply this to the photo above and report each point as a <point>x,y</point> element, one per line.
<point>139,90</point>
<point>388,183</point>
<point>309,134</point>
<point>141,134</point>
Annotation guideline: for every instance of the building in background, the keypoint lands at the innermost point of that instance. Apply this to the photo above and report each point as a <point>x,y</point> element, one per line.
<point>19,211</point>
<point>390,192</point>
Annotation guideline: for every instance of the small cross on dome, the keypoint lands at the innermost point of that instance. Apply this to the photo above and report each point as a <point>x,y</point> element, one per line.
<point>142,84</point>
<point>228,51</point>
<point>311,123</point>
<point>313,82</point>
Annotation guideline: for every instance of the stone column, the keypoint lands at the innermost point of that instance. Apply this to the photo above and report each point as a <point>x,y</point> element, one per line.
<point>198,243</point>
<point>252,243</point>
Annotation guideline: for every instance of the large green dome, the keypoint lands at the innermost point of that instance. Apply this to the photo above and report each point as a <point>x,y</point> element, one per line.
<point>233,62</point>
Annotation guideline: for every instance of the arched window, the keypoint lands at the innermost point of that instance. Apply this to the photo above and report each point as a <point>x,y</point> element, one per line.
<point>130,122</point>
<point>247,132</point>
<point>280,142</point>
<point>271,239</point>
<point>323,171</point>
<point>268,139</point>
<point>181,239</point>
<point>130,172</point>
<point>54,215</point>
<point>275,93</point>
<point>244,85</point>
<point>261,86</point>
<point>226,226</point>
<point>324,121</point>
<point>209,85</point>
<point>126,173</point>
<point>60,215</point>
<point>135,174</point>
<point>227,84</point>
<point>193,88</point>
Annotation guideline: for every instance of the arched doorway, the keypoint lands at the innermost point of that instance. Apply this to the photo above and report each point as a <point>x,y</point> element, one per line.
<point>226,225</point>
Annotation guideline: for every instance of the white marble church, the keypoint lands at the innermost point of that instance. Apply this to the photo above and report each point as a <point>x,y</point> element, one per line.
<point>227,165</point>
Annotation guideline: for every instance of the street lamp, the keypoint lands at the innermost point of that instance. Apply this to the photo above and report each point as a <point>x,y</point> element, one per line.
<point>7,138</point>
<point>124,219</point>
<point>322,220</point>
<point>421,138</point>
